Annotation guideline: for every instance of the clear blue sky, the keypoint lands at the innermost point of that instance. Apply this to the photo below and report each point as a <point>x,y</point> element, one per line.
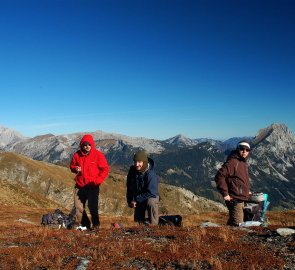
<point>214,69</point>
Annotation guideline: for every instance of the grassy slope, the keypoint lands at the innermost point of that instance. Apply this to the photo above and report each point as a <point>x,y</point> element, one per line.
<point>41,184</point>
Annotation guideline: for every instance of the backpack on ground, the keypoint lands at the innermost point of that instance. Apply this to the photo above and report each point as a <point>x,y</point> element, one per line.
<point>175,220</point>
<point>59,220</point>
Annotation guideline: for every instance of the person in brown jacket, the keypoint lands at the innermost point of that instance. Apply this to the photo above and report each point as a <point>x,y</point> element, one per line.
<point>232,181</point>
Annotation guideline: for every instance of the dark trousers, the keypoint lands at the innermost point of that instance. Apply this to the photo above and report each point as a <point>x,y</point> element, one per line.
<point>151,207</point>
<point>89,195</point>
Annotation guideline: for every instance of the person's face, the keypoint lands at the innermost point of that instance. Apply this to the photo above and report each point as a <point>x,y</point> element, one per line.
<point>86,147</point>
<point>138,165</point>
<point>244,151</point>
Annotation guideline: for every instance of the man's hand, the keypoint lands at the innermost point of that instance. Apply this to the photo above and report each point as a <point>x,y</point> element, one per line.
<point>227,198</point>
<point>78,169</point>
<point>132,204</point>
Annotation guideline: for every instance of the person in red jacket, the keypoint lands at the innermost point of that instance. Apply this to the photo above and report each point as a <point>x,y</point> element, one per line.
<point>91,169</point>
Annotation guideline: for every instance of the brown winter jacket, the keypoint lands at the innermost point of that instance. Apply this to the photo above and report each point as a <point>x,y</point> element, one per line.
<point>232,178</point>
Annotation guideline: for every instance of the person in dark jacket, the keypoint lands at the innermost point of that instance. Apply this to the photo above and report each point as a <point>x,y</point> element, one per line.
<point>142,189</point>
<point>232,181</point>
<point>91,169</point>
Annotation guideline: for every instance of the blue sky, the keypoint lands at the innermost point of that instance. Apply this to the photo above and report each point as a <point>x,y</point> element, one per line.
<point>214,69</point>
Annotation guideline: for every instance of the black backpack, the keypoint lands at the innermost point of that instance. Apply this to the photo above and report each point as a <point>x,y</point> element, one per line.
<point>59,219</point>
<point>175,220</point>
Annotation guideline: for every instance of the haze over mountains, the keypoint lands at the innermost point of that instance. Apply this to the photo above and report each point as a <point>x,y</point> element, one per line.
<point>180,161</point>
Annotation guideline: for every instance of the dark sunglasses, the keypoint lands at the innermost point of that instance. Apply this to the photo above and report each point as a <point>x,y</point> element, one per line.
<point>86,144</point>
<point>244,149</point>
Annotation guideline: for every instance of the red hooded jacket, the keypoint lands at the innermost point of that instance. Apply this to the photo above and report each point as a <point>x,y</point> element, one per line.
<point>94,166</point>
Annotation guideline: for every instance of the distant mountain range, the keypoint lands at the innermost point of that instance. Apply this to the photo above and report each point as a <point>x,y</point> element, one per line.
<point>59,149</point>
<point>180,161</point>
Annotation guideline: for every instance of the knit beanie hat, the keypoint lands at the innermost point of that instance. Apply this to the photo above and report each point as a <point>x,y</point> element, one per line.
<point>141,155</point>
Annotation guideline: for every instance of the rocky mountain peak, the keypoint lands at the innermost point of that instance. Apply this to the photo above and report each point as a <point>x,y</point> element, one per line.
<point>279,136</point>
<point>181,140</point>
<point>272,159</point>
<point>9,136</point>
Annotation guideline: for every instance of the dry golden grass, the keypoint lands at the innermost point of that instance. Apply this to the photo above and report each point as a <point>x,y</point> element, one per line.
<point>18,163</point>
<point>282,218</point>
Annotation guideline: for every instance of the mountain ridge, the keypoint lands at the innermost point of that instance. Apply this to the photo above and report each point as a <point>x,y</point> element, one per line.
<point>272,159</point>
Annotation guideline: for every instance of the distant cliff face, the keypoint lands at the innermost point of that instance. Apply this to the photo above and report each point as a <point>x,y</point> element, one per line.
<point>184,162</point>
<point>272,164</point>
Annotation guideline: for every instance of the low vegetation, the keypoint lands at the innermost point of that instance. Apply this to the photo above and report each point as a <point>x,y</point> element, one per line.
<point>25,244</point>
